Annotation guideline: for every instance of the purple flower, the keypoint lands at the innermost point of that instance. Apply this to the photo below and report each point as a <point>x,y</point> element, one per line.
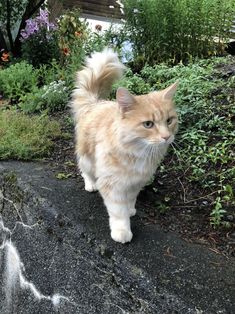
<point>33,26</point>
<point>30,28</point>
<point>42,18</point>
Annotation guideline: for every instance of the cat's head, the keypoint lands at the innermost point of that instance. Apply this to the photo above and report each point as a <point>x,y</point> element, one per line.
<point>149,119</point>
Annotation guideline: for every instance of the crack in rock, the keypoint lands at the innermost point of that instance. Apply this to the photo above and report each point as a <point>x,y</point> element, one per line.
<point>13,273</point>
<point>14,278</point>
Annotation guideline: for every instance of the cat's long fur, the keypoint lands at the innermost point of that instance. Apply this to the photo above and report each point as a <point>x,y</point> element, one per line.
<point>117,151</point>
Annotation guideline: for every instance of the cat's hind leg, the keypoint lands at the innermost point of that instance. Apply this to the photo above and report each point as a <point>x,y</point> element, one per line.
<point>87,171</point>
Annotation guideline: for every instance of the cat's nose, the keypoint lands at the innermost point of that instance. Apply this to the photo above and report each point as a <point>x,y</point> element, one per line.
<point>166,137</point>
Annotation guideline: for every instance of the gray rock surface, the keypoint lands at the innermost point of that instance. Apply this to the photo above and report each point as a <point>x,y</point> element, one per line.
<point>56,256</point>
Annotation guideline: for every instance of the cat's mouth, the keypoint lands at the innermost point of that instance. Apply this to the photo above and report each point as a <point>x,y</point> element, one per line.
<point>161,141</point>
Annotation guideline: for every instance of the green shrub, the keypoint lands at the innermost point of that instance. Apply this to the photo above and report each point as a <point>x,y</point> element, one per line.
<point>178,30</point>
<point>32,102</point>
<point>17,80</point>
<point>134,83</point>
<point>41,49</point>
<point>26,137</point>
<point>52,97</point>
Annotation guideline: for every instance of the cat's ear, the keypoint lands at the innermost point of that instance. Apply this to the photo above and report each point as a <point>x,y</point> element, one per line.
<point>169,92</point>
<point>125,99</point>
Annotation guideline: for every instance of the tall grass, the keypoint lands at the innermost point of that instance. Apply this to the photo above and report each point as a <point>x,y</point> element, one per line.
<point>178,30</point>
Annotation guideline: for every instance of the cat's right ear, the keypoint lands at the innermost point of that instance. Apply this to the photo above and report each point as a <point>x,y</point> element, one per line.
<point>125,99</point>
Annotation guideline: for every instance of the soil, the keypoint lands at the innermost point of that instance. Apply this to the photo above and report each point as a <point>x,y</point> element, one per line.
<point>170,200</point>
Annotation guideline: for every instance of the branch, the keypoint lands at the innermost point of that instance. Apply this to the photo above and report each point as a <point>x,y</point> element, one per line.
<point>33,10</point>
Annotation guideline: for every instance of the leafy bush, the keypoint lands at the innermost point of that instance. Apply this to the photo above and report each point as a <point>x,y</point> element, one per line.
<point>204,147</point>
<point>26,137</point>
<point>179,29</point>
<point>52,97</point>
<point>17,80</point>
<point>39,40</point>
<point>135,83</point>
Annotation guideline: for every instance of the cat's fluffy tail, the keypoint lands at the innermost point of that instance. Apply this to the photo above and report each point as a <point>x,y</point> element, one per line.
<point>95,80</point>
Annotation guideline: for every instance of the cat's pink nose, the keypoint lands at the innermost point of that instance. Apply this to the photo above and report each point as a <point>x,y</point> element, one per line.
<point>166,137</point>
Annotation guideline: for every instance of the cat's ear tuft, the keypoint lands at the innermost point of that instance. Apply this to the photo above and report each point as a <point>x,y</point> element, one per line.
<point>169,92</point>
<point>124,98</point>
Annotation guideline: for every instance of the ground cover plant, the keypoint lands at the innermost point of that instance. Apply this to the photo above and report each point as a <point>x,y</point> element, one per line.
<point>26,137</point>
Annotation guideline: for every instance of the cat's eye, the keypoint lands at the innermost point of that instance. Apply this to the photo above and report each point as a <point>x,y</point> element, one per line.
<point>148,124</point>
<point>169,120</point>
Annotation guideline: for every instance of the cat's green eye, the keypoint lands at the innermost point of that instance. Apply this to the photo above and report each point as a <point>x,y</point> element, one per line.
<point>169,120</point>
<point>148,124</point>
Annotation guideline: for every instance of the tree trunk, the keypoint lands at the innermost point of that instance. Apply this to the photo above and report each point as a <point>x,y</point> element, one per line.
<point>3,44</point>
<point>8,25</point>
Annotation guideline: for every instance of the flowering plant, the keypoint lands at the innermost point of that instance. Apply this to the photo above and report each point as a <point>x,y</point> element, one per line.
<point>39,40</point>
<point>33,26</point>
<point>51,97</point>
<point>72,33</point>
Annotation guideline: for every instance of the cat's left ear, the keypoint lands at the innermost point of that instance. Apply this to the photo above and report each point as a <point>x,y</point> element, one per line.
<point>125,99</point>
<point>169,92</point>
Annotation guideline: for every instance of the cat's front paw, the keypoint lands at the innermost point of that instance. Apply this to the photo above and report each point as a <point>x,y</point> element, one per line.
<point>121,235</point>
<point>132,212</point>
<point>90,187</point>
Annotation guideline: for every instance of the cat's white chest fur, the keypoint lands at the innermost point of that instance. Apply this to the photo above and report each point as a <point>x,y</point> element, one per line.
<point>132,171</point>
<point>146,165</point>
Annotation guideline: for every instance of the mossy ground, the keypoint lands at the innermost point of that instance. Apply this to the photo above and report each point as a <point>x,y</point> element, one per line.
<point>25,137</point>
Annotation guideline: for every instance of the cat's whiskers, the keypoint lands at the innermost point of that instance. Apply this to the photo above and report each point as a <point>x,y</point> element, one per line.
<point>176,145</point>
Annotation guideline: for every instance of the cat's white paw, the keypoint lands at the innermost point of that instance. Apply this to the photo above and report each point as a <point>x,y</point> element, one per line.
<point>89,186</point>
<point>121,235</point>
<point>132,212</point>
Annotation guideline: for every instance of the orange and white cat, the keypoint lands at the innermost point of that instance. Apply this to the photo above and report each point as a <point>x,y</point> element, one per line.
<point>119,144</point>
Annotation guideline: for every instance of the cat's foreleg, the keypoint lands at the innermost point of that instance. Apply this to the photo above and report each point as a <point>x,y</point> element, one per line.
<point>86,167</point>
<point>119,217</point>
<point>119,221</point>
